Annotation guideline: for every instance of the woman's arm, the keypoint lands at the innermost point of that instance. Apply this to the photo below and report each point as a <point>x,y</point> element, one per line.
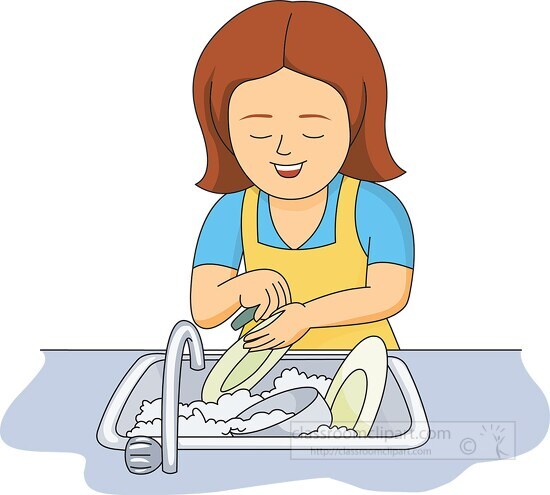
<point>214,294</point>
<point>217,292</point>
<point>216,289</point>
<point>386,294</point>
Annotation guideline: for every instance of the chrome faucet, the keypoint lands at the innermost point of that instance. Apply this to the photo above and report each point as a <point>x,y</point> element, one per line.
<point>143,454</point>
<point>184,331</point>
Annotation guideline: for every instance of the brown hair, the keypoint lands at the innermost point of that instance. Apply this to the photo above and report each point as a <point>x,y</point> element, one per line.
<point>313,39</point>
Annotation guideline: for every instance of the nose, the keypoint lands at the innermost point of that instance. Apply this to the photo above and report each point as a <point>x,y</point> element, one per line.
<point>279,152</point>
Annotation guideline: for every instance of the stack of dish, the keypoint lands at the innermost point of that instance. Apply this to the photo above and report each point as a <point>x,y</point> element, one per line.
<point>352,399</point>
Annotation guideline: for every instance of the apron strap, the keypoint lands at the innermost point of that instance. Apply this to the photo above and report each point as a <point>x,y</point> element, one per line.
<point>346,230</point>
<point>249,218</point>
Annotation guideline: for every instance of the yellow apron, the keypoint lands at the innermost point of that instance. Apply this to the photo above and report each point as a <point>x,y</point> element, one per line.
<point>315,272</point>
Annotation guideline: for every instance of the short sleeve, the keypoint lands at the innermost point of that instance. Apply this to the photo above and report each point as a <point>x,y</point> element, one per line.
<point>383,226</point>
<point>220,241</point>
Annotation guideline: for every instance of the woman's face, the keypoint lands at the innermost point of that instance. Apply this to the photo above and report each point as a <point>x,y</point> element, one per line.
<point>289,132</point>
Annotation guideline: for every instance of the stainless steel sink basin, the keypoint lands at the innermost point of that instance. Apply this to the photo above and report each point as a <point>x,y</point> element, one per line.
<point>401,421</point>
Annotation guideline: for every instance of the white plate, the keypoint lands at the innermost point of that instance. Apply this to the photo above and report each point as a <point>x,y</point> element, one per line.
<point>241,368</point>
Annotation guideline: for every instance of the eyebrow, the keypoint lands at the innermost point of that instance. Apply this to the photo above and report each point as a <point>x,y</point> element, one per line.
<point>303,116</point>
<point>266,115</point>
<point>310,115</point>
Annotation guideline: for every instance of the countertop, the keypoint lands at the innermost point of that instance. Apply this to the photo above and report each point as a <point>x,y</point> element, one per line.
<point>482,405</point>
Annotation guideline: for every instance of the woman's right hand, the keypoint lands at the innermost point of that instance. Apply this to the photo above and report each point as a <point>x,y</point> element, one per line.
<point>267,289</point>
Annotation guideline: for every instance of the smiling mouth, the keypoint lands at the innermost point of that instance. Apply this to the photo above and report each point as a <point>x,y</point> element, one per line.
<point>288,171</point>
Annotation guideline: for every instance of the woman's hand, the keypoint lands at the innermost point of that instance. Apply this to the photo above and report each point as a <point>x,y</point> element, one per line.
<point>266,288</point>
<point>292,325</point>
<point>217,292</point>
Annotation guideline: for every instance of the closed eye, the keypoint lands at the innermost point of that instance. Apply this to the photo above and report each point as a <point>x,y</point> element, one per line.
<point>260,137</point>
<point>313,137</point>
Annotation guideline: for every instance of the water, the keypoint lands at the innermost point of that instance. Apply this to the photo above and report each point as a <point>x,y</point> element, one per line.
<point>214,419</point>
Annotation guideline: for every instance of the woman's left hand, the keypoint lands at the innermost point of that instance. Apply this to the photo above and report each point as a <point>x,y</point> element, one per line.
<point>284,331</point>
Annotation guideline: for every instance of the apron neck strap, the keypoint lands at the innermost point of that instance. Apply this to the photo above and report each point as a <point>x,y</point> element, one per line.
<point>346,230</point>
<point>345,212</point>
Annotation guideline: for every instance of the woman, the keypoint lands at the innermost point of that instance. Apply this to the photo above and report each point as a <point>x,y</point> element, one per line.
<point>291,100</point>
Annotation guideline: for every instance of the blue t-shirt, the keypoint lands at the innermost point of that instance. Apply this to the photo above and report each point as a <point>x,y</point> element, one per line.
<point>381,220</point>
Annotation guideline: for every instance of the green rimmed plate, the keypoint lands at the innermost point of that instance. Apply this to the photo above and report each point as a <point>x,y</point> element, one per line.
<point>241,368</point>
<point>356,390</point>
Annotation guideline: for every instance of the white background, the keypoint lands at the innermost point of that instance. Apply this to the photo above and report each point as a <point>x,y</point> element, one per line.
<point>100,151</point>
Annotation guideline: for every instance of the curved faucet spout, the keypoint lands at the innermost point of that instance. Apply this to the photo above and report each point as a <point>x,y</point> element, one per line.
<point>184,331</point>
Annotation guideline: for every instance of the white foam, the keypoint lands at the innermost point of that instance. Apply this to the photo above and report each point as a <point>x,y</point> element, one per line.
<point>330,431</point>
<point>292,378</point>
<point>220,419</point>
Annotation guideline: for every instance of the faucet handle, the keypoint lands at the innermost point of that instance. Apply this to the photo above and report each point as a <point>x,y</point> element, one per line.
<point>142,455</point>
